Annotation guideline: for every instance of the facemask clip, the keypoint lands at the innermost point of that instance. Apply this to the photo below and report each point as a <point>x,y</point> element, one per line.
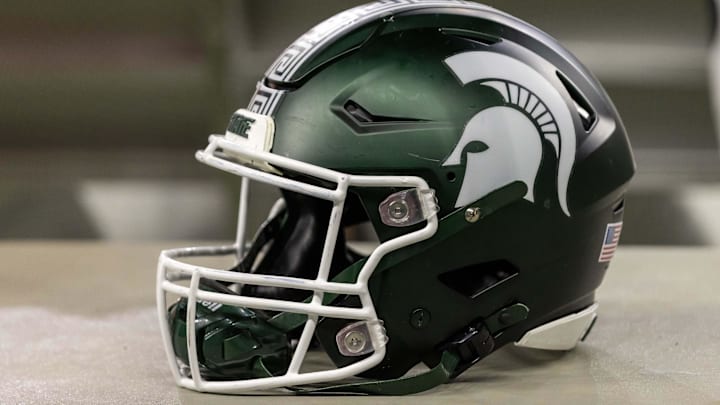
<point>408,207</point>
<point>355,339</point>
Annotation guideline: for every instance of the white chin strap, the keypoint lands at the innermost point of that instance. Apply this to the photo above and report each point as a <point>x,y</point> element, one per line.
<point>561,334</point>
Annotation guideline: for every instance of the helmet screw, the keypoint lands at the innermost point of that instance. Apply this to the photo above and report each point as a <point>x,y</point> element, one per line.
<point>419,318</point>
<point>355,341</point>
<point>472,215</point>
<point>398,210</point>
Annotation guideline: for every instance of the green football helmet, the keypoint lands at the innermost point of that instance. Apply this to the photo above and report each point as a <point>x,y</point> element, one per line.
<point>490,164</point>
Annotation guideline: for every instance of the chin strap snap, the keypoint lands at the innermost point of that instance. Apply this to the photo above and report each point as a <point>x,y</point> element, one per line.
<point>471,346</point>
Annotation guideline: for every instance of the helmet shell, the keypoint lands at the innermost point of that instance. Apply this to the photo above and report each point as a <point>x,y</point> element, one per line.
<point>376,94</point>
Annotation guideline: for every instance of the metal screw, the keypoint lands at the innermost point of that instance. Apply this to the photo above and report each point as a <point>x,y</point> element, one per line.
<point>472,215</point>
<point>398,210</point>
<point>355,341</point>
<point>419,318</point>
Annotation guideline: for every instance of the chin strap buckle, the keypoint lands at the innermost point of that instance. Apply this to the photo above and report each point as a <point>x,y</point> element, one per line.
<point>478,339</point>
<point>470,346</point>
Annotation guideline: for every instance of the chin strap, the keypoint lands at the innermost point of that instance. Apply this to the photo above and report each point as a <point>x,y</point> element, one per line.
<point>438,375</point>
<point>462,351</point>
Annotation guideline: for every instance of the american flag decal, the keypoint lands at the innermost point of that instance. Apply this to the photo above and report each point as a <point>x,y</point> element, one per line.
<point>610,243</point>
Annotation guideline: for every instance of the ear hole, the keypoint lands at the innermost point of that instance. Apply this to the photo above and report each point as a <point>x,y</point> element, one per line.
<point>472,281</point>
<point>451,176</point>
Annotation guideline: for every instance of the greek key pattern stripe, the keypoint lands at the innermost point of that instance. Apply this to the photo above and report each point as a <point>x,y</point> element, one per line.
<point>325,33</point>
<point>266,100</point>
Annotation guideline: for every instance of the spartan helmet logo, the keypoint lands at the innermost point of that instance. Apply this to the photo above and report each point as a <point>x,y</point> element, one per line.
<point>534,110</point>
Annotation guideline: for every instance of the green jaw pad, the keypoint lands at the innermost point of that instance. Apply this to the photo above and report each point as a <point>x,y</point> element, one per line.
<point>233,343</point>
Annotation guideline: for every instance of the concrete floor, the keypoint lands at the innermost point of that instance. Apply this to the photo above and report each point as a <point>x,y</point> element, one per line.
<point>79,327</point>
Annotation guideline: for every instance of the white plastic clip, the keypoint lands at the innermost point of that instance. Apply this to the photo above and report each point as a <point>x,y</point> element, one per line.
<point>357,338</point>
<point>251,131</point>
<point>408,207</point>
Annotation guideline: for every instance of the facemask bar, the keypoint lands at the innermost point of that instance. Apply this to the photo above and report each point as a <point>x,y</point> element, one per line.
<point>242,217</point>
<point>171,270</point>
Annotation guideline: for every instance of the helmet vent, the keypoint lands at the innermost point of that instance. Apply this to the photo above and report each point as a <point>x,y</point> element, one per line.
<point>363,116</point>
<point>468,35</point>
<point>474,280</point>
<point>619,207</point>
<point>582,106</point>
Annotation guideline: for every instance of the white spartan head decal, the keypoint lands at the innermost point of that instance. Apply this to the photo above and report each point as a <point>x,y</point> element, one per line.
<point>513,133</point>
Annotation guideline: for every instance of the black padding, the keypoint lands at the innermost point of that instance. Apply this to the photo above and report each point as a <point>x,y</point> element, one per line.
<point>297,248</point>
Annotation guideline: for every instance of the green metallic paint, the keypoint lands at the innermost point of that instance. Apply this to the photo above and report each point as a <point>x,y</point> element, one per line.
<point>444,20</point>
<point>399,72</point>
<point>385,79</point>
<point>349,43</point>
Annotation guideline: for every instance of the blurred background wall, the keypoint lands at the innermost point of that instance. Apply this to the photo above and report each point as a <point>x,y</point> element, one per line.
<point>102,105</point>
